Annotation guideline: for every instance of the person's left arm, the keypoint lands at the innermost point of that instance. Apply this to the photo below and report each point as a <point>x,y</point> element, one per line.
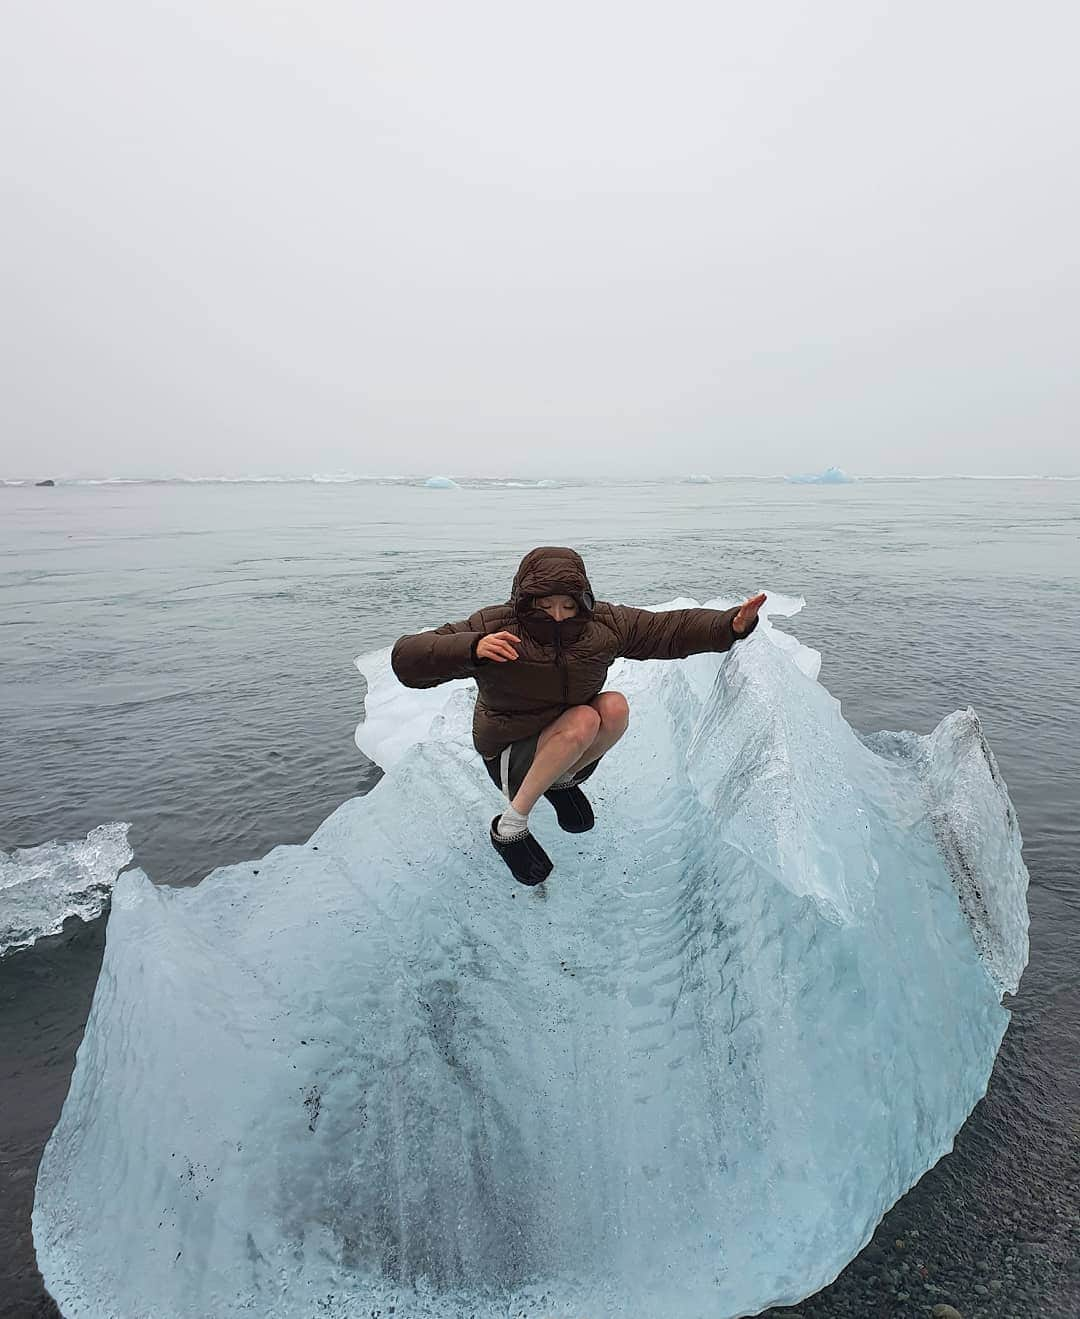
<point>677,633</point>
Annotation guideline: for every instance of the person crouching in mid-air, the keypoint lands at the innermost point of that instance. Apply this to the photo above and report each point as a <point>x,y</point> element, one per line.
<point>542,722</point>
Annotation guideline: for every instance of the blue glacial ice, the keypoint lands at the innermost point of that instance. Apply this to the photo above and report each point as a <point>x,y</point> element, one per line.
<point>686,1077</point>
<point>830,476</point>
<point>441,483</point>
<point>40,887</point>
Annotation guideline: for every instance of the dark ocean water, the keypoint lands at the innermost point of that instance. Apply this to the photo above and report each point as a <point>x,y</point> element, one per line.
<point>180,657</point>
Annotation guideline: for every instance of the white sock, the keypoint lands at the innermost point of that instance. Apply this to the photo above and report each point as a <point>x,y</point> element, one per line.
<point>511,822</point>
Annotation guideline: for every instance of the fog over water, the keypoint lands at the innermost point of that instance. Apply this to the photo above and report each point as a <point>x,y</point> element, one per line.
<point>494,240</point>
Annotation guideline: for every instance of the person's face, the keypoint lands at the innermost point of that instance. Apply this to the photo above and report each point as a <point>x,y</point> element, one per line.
<point>557,607</point>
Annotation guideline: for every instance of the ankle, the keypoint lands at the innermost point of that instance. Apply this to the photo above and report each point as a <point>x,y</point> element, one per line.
<point>512,822</point>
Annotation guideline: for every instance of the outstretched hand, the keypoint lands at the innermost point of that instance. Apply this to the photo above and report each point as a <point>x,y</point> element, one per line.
<point>748,611</point>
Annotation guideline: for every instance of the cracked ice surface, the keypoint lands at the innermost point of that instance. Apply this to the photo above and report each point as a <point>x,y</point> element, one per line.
<point>686,1077</point>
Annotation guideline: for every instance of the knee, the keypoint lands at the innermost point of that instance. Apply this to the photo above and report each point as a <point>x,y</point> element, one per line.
<point>582,724</point>
<point>613,709</point>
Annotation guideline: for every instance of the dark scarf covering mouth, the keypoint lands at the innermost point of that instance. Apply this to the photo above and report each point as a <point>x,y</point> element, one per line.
<point>548,631</point>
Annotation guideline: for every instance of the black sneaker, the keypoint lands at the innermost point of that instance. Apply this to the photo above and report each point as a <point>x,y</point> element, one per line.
<point>528,862</point>
<point>573,809</point>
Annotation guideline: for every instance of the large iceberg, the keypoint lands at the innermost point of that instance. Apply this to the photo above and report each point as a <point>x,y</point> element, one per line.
<point>686,1076</point>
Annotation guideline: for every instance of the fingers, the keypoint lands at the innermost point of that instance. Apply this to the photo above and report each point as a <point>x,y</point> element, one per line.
<point>748,611</point>
<point>499,646</point>
<point>749,608</point>
<point>504,645</point>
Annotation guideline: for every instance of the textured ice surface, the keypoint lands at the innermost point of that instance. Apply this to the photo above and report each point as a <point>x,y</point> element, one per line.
<point>40,887</point>
<point>685,1077</point>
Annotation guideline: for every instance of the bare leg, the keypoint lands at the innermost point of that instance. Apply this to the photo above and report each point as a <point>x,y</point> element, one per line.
<point>560,744</point>
<point>614,712</point>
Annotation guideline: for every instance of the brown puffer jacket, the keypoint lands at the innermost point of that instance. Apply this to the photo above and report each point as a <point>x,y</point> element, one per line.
<point>558,664</point>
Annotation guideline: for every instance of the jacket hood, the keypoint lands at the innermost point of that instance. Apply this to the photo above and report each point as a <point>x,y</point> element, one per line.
<point>551,570</point>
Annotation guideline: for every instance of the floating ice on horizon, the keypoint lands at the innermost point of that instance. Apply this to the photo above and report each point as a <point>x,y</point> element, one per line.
<point>546,484</point>
<point>698,478</point>
<point>685,1077</point>
<point>441,483</point>
<point>40,887</point>
<point>830,476</point>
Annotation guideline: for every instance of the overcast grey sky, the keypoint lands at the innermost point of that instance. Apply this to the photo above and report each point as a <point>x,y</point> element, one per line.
<point>485,237</point>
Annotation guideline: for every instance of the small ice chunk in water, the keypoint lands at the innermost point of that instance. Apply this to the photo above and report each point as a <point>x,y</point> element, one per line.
<point>40,887</point>
<point>830,476</point>
<point>686,1077</point>
<point>441,483</point>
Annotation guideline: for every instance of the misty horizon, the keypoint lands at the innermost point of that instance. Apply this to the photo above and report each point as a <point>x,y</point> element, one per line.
<point>594,244</point>
<point>502,478</point>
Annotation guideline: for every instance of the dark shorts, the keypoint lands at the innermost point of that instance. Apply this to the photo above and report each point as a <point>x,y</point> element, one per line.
<point>508,769</point>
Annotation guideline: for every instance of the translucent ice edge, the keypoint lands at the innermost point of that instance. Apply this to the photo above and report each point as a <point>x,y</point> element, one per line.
<point>686,1076</point>
<point>40,887</point>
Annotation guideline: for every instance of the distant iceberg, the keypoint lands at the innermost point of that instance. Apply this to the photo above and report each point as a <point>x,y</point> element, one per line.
<point>441,483</point>
<point>546,484</point>
<point>40,887</point>
<point>830,476</point>
<point>698,478</point>
<point>685,1077</point>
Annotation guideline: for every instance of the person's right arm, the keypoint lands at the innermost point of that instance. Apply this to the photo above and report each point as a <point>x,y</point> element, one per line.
<point>455,650</point>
